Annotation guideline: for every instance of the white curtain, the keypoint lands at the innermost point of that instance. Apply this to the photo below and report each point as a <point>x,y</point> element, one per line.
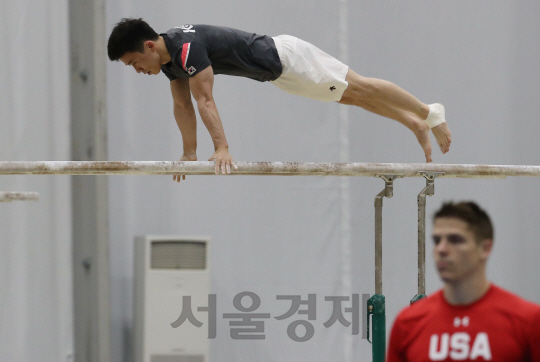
<point>35,237</point>
<point>276,236</point>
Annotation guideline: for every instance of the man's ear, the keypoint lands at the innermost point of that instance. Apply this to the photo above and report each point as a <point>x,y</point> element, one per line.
<point>150,45</point>
<point>486,245</point>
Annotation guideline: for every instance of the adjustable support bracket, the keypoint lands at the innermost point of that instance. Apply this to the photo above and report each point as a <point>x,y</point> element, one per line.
<point>376,304</point>
<point>429,190</point>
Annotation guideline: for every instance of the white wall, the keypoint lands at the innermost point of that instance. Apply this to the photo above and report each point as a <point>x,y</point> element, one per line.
<point>35,237</point>
<point>283,235</point>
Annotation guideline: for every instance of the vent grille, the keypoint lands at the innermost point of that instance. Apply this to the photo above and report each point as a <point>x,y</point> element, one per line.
<point>182,254</point>
<point>177,358</point>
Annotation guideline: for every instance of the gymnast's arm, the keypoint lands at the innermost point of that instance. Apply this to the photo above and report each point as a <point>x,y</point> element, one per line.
<point>201,86</point>
<point>184,113</point>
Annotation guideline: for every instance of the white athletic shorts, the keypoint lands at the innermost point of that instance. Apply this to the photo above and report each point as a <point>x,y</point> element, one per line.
<point>308,71</point>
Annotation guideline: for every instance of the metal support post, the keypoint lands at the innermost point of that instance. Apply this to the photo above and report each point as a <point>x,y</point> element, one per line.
<point>388,192</point>
<point>429,190</point>
<point>376,304</point>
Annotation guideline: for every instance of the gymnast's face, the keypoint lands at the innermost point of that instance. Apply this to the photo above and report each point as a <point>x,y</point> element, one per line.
<point>147,62</point>
<point>458,255</point>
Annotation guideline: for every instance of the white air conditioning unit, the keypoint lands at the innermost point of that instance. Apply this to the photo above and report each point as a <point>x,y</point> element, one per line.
<point>166,269</point>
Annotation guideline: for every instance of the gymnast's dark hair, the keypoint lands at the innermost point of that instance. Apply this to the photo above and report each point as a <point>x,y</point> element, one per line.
<point>468,211</point>
<point>129,36</point>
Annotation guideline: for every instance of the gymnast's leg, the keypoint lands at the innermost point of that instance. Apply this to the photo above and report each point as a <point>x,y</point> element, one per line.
<point>389,100</point>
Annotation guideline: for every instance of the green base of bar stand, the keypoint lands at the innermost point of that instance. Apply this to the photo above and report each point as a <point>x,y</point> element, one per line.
<point>376,308</point>
<point>417,297</point>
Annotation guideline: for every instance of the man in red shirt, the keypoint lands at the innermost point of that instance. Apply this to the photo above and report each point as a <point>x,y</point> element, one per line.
<point>470,319</point>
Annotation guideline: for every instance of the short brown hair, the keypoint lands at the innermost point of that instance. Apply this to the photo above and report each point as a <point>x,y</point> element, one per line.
<point>476,218</point>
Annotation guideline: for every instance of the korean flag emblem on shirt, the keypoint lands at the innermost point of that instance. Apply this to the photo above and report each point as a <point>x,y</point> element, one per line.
<point>191,70</point>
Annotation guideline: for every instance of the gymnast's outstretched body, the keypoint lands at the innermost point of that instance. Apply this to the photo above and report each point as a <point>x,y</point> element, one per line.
<point>190,55</point>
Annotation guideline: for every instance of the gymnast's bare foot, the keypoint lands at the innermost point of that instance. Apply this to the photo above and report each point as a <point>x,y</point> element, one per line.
<point>437,122</point>
<point>421,131</point>
<point>443,136</point>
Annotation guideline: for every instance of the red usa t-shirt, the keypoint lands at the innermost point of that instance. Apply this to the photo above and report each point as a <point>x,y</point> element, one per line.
<point>499,327</point>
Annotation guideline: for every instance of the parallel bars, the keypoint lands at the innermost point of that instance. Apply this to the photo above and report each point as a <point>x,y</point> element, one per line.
<point>387,171</point>
<point>261,168</point>
<point>18,196</point>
